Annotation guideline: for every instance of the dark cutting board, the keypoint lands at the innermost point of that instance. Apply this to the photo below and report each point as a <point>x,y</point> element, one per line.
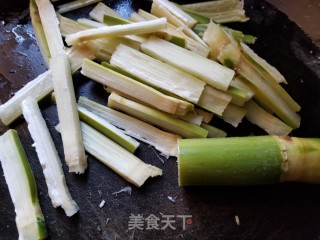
<point>283,211</point>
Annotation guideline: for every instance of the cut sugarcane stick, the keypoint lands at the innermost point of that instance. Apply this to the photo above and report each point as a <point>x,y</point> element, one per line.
<point>267,92</point>
<point>50,25</point>
<point>211,72</point>
<point>75,156</point>
<point>134,88</point>
<point>117,31</point>
<point>100,10</point>
<point>270,74</point>
<point>176,12</point>
<point>190,42</point>
<point>38,88</point>
<point>221,11</point>
<point>117,158</point>
<point>157,73</point>
<point>48,157</point>
<point>164,142</point>
<point>271,70</point>
<point>107,129</point>
<point>22,187</point>
<point>41,86</point>
<point>233,114</point>
<point>265,120</point>
<point>39,32</point>
<point>248,160</point>
<point>155,117</point>
<point>214,100</point>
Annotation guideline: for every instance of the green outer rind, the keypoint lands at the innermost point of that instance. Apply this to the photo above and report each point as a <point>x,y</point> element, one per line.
<point>200,18</point>
<point>42,230</point>
<point>157,118</point>
<point>106,131</point>
<point>229,161</point>
<point>112,20</point>
<point>24,160</point>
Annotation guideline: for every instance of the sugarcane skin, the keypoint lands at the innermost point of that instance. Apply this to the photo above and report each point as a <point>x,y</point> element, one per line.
<point>42,230</point>
<point>31,179</point>
<point>229,161</point>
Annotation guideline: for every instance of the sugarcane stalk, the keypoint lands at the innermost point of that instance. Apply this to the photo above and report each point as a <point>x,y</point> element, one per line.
<point>248,160</point>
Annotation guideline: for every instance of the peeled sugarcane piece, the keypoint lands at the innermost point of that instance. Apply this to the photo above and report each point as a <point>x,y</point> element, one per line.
<point>211,72</point>
<point>155,117</point>
<point>104,47</point>
<point>107,129</point>
<point>248,160</point>
<point>38,88</point>
<point>48,157</point>
<point>22,187</point>
<point>164,142</point>
<point>160,11</point>
<point>135,17</point>
<point>98,12</point>
<point>221,11</point>
<point>134,88</point>
<point>74,5</point>
<point>42,86</point>
<point>265,93</point>
<point>174,34</point>
<point>264,65</point>
<point>201,19</point>
<point>117,31</point>
<point>176,12</point>
<point>270,74</point>
<point>90,23</point>
<point>233,114</point>
<point>137,39</point>
<point>214,100</point>
<point>50,25</point>
<point>265,120</point>
<point>39,32</point>
<point>120,160</point>
<point>80,52</point>
<point>169,34</point>
<point>213,132</point>
<point>73,148</point>
<point>69,26</point>
<point>266,96</point>
<point>157,73</point>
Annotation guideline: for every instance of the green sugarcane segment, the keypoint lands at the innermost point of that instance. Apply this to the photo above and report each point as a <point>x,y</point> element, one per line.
<point>22,187</point>
<point>248,160</point>
<point>201,19</point>
<point>112,20</point>
<point>156,118</point>
<point>39,32</point>
<point>107,129</point>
